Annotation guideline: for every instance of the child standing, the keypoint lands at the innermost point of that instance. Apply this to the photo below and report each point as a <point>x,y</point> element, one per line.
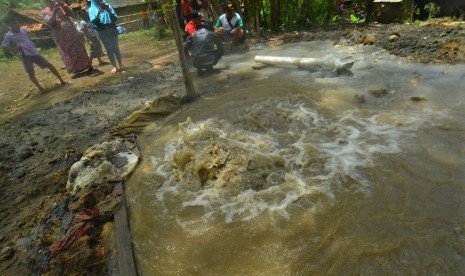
<point>18,39</point>
<point>91,35</point>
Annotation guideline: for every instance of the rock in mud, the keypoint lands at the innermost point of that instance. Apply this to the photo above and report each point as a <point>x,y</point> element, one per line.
<point>370,39</point>
<point>25,154</point>
<point>418,99</point>
<point>393,38</point>
<point>6,253</point>
<point>360,98</point>
<point>378,92</point>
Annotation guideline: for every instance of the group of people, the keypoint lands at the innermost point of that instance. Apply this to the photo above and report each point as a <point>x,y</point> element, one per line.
<point>204,42</point>
<point>99,23</point>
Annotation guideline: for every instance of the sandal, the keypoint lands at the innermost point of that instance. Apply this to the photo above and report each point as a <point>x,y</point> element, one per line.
<point>114,70</point>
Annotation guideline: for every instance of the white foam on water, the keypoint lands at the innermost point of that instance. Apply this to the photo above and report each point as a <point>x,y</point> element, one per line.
<point>344,145</point>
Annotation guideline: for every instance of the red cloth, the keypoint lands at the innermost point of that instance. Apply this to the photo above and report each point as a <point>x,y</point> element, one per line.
<point>82,222</point>
<point>185,8</point>
<point>191,27</point>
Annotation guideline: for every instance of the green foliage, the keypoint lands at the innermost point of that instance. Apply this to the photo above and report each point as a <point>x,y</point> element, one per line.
<point>355,19</point>
<point>359,4</point>
<point>19,4</point>
<point>297,14</point>
<point>335,18</point>
<point>154,33</point>
<point>432,9</point>
<point>321,11</point>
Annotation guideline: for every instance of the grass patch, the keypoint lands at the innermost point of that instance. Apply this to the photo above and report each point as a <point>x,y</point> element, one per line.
<point>50,54</point>
<point>147,36</point>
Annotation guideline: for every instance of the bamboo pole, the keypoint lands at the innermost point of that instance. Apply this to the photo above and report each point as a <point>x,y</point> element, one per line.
<point>170,15</point>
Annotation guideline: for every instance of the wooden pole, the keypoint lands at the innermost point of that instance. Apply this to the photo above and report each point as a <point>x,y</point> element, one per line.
<point>126,263</point>
<point>170,14</point>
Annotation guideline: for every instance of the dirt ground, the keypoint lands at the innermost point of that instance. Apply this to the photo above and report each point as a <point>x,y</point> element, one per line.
<point>43,135</point>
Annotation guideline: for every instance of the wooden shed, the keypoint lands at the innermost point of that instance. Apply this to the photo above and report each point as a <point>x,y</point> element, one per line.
<point>129,12</point>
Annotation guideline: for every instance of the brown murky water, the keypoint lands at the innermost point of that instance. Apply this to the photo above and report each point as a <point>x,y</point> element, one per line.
<point>286,172</point>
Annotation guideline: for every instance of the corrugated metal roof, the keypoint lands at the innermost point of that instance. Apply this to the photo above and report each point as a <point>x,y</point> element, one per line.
<point>78,5</point>
<point>31,14</point>
<point>34,27</point>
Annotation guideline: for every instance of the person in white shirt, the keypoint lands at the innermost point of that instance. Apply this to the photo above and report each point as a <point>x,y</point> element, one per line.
<point>230,26</point>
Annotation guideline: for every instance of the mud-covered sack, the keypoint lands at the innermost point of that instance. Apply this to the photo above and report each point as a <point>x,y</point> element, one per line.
<point>102,163</point>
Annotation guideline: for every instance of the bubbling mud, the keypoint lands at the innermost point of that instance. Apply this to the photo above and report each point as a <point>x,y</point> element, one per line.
<point>293,175</point>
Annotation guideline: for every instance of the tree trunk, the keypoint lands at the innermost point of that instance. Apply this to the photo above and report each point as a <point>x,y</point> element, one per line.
<point>307,11</point>
<point>245,15</point>
<point>257,16</point>
<point>264,21</point>
<point>211,11</point>
<point>370,9</point>
<point>275,14</point>
<point>217,6</point>
<point>170,15</point>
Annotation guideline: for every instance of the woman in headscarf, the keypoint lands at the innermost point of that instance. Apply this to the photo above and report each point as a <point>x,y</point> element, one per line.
<point>103,17</point>
<point>69,41</point>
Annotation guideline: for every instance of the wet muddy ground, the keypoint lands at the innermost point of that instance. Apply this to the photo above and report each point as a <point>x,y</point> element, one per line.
<point>43,135</point>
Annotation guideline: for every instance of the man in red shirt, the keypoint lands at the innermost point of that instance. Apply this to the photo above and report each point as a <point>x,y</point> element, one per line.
<point>192,26</point>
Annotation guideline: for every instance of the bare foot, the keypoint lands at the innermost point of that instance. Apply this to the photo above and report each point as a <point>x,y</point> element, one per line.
<point>63,83</point>
<point>114,70</point>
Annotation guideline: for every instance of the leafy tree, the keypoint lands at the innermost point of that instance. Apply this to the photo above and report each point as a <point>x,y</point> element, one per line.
<point>432,9</point>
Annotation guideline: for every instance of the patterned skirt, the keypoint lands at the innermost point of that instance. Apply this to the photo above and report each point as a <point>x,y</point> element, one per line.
<point>71,46</point>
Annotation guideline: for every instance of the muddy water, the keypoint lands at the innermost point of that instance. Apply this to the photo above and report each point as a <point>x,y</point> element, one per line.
<point>303,172</point>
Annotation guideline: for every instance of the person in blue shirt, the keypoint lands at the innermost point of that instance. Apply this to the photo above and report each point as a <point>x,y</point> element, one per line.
<point>103,17</point>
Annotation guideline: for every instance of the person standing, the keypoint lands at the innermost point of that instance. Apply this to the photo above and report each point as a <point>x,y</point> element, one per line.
<point>70,43</point>
<point>145,18</point>
<point>103,17</point>
<point>91,35</point>
<point>18,40</point>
